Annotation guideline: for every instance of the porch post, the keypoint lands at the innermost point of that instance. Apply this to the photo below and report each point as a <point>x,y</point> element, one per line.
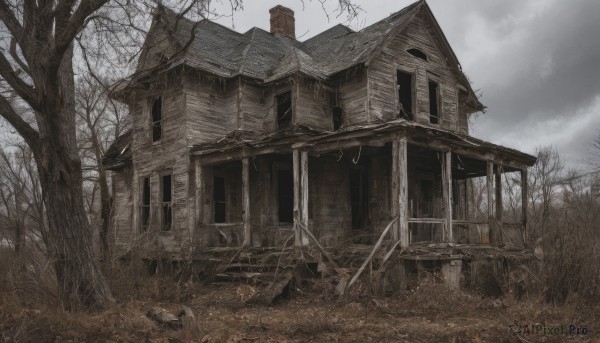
<point>200,189</point>
<point>499,208</point>
<point>400,191</point>
<point>304,193</point>
<point>246,201</point>
<point>490,204</point>
<point>524,203</point>
<point>296,172</point>
<point>448,195</point>
<point>395,211</point>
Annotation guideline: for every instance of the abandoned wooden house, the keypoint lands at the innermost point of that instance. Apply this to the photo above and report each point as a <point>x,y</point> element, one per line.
<point>258,139</point>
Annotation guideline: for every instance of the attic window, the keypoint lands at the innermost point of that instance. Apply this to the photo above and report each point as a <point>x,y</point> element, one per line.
<point>156,119</point>
<point>405,94</point>
<point>417,53</point>
<point>434,102</point>
<point>284,110</point>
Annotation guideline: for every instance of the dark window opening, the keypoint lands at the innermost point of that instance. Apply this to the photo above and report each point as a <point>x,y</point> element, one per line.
<point>337,118</point>
<point>284,110</point>
<point>167,203</point>
<point>336,111</point>
<point>405,95</point>
<point>219,199</point>
<point>156,119</point>
<point>145,207</point>
<point>358,198</point>
<point>433,103</point>
<point>417,53</point>
<point>285,196</point>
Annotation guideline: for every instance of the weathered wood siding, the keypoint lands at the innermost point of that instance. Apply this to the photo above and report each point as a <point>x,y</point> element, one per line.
<point>122,215</point>
<point>158,46</point>
<point>329,200</point>
<point>353,97</point>
<point>313,105</point>
<point>167,156</point>
<point>383,104</point>
<point>253,106</point>
<point>211,108</point>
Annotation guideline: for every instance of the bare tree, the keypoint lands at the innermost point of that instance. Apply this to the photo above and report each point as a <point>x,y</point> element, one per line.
<point>545,178</point>
<point>100,121</point>
<point>36,69</point>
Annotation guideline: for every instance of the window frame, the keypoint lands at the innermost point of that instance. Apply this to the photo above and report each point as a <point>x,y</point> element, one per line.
<point>152,120</point>
<point>163,226</point>
<point>145,227</point>
<point>438,94</point>
<point>413,92</point>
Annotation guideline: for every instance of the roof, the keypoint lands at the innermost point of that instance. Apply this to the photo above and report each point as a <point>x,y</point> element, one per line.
<point>301,136</point>
<point>118,154</point>
<point>265,56</point>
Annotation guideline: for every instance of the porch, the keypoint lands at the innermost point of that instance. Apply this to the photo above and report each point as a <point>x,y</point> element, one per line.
<point>396,181</point>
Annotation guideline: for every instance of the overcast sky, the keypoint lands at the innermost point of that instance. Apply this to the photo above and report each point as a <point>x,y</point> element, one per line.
<point>536,62</point>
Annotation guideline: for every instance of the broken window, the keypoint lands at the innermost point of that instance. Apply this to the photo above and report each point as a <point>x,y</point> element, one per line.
<point>285,196</point>
<point>336,112</point>
<point>405,94</point>
<point>433,103</point>
<point>167,202</point>
<point>219,199</point>
<point>284,110</point>
<point>417,53</point>
<point>145,204</point>
<point>156,119</point>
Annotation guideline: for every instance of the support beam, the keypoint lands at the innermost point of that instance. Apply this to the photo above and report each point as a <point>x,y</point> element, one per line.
<point>297,215</point>
<point>448,195</point>
<point>490,202</point>
<point>199,195</point>
<point>304,194</point>
<point>246,201</point>
<point>395,185</point>
<point>400,191</point>
<point>524,203</point>
<point>499,207</point>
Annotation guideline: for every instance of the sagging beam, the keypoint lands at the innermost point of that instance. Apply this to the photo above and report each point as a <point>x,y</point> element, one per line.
<point>448,236</point>
<point>246,202</point>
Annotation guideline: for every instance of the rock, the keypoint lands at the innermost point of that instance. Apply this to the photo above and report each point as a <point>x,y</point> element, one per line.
<point>161,316</point>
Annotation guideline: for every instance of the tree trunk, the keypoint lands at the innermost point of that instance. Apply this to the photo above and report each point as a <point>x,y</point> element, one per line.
<point>69,235</point>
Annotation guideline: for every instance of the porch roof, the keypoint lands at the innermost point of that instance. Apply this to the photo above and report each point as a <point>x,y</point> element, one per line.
<point>239,144</point>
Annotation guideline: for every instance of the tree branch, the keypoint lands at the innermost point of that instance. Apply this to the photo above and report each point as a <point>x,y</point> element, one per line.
<point>31,136</point>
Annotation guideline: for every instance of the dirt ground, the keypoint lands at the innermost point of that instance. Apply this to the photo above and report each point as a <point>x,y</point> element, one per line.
<point>311,313</point>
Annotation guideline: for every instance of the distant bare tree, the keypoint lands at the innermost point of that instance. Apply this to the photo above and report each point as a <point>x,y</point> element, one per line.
<point>545,178</point>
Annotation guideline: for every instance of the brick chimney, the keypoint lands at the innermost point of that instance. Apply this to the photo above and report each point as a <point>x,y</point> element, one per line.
<point>283,22</point>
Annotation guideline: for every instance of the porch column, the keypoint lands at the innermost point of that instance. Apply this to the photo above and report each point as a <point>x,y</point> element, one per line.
<point>490,203</point>
<point>246,201</point>
<point>200,189</point>
<point>297,215</point>
<point>524,203</point>
<point>304,194</point>
<point>400,191</point>
<point>499,208</point>
<point>448,237</point>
